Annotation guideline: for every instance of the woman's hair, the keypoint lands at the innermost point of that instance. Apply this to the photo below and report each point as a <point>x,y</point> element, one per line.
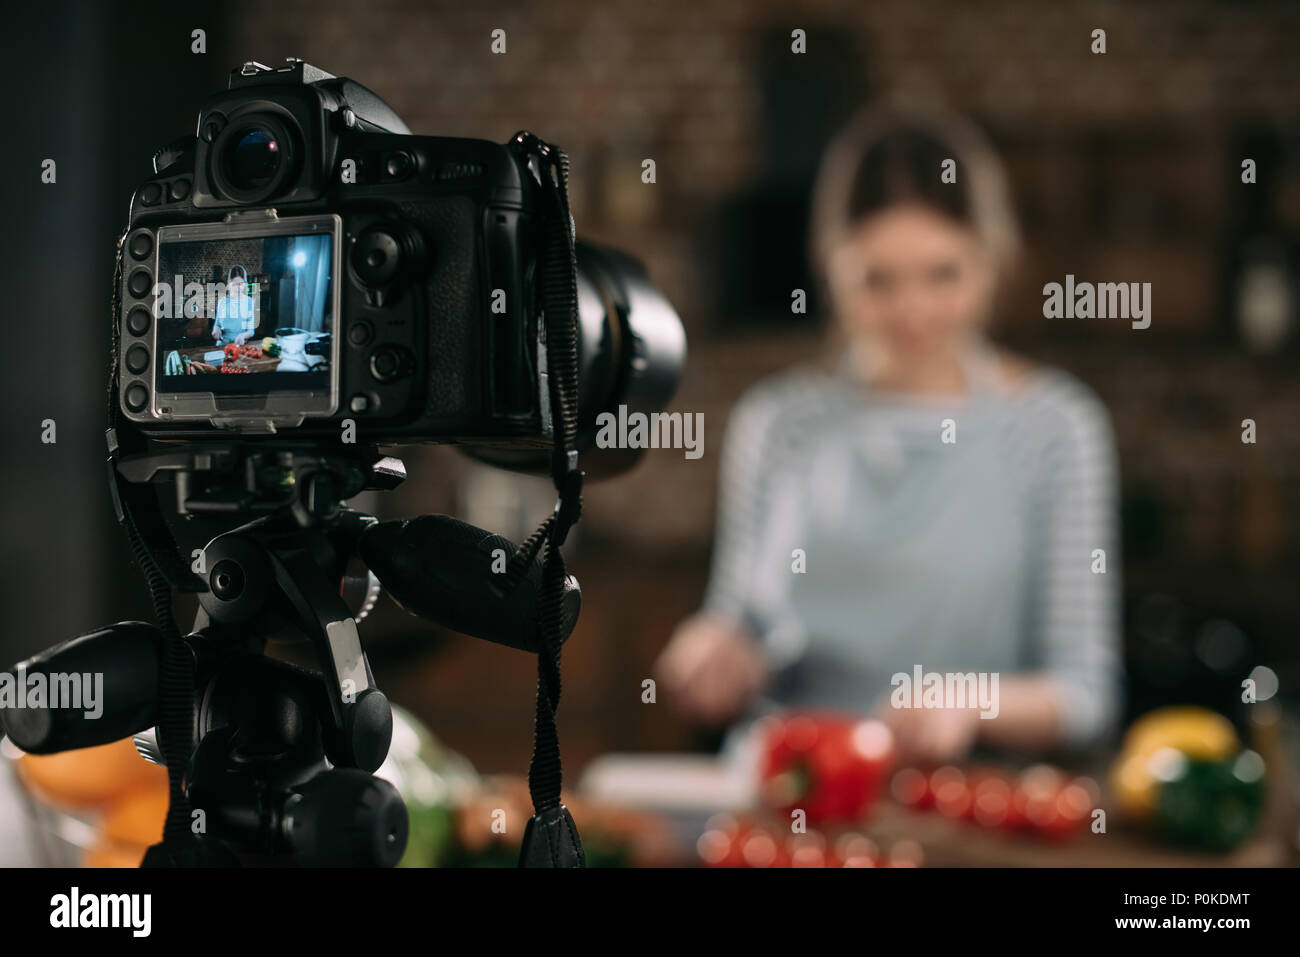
<point>236,272</point>
<point>885,158</point>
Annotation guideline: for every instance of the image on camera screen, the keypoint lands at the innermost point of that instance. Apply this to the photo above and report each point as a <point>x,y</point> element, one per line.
<point>244,316</point>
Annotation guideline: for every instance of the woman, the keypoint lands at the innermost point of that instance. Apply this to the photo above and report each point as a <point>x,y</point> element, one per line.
<point>932,501</point>
<point>236,318</point>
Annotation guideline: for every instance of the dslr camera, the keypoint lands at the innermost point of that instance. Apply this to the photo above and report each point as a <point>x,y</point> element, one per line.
<point>305,263</point>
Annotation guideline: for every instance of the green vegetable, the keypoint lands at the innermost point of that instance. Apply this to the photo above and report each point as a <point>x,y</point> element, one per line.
<point>1211,804</point>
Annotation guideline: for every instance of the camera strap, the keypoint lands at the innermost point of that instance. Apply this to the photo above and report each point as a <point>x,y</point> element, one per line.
<point>140,514</point>
<point>551,838</point>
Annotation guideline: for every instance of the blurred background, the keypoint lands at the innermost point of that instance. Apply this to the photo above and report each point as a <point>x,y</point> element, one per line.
<point>1124,165</point>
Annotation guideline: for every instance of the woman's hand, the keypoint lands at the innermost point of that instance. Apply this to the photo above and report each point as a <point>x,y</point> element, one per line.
<point>712,668</point>
<point>931,735</point>
<point>1028,718</point>
<point>242,338</point>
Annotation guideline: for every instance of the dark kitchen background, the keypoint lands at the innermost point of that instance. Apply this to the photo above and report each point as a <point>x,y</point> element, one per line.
<point>1124,166</point>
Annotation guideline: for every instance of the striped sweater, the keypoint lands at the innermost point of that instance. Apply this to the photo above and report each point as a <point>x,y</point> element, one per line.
<point>862,534</point>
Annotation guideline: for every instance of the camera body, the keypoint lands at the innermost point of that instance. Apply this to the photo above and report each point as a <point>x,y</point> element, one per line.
<point>338,268</point>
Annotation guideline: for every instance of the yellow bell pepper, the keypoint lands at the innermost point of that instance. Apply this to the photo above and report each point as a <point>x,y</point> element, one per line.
<point>1197,733</point>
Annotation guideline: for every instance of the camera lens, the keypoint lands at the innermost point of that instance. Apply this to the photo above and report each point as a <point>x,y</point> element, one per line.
<point>254,158</point>
<point>631,351</point>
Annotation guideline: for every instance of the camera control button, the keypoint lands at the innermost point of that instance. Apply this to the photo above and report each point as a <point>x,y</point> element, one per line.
<point>137,397</point>
<point>360,332</point>
<point>151,194</point>
<point>358,403</point>
<point>376,257</point>
<point>137,359</point>
<point>179,190</point>
<point>141,245</point>
<point>140,283</point>
<point>388,363</point>
<point>399,165</point>
<point>137,321</point>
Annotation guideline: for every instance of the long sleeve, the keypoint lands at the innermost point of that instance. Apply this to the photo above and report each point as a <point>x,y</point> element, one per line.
<point>740,510</point>
<point>1075,618</point>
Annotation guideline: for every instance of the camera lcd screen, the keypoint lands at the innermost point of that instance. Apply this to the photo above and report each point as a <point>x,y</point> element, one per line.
<point>246,315</point>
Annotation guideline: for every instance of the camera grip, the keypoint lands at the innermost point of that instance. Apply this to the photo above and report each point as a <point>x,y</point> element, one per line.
<point>115,673</point>
<point>453,573</point>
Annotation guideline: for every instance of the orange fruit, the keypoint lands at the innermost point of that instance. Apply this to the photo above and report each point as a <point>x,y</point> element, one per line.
<point>136,817</point>
<point>107,854</point>
<point>89,776</point>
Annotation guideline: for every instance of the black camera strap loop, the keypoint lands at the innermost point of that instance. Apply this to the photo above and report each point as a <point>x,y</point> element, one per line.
<point>551,838</point>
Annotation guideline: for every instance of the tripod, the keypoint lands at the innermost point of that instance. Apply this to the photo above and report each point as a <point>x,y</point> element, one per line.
<point>280,765</point>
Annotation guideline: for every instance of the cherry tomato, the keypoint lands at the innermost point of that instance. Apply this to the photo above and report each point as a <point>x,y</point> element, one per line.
<point>951,796</point>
